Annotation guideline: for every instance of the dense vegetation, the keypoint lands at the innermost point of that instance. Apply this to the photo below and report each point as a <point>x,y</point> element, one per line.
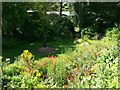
<point>87,45</point>
<point>93,66</point>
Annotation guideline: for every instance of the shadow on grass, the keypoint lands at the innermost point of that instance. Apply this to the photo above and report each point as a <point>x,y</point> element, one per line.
<point>16,51</point>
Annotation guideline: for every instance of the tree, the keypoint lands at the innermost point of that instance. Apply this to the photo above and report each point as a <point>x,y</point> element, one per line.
<point>100,15</point>
<point>17,22</point>
<point>13,15</point>
<point>61,7</point>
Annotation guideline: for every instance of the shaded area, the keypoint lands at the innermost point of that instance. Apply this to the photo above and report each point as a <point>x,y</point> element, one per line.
<point>16,51</point>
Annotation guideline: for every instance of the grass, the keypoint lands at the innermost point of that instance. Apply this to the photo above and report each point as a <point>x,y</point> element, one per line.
<point>16,51</point>
<point>62,46</point>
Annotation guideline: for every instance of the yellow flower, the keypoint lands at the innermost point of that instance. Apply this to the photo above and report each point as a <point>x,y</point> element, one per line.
<point>26,51</point>
<point>26,55</point>
<point>23,72</point>
<point>19,66</point>
<point>17,70</point>
<point>38,74</point>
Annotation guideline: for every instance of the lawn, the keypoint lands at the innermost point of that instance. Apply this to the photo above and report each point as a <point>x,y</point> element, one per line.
<point>17,50</point>
<point>62,46</point>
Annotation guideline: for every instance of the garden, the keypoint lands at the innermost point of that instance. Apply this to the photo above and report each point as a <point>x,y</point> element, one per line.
<point>42,50</point>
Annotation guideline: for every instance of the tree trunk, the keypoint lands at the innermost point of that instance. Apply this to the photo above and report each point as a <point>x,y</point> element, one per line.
<point>61,7</point>
<point>45,40</point>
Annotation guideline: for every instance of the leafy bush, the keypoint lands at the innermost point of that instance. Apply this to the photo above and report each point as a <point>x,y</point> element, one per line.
<point>112,34</point>
<point>90,33</point>
<point>35,27</point>
<point>25,81</point>
<point>107,73</point>
<point>57,68</point>
<point>101,73</point>
<point>22,73</point>
<point>87,31</point>
<point>63,27</point>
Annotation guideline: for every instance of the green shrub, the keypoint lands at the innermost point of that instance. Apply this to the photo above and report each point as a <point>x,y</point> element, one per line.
<point>87,32</point>
<point>106,70</point>
<point>63,28</point>
<point>101,74</point>
<point>21,81</point>
<point>112,34</point>
<point>22,73</point>
<point>57,68</point>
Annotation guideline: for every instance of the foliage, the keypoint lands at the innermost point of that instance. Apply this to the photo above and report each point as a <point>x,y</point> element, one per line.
<point>103,74</point>
<point>23,25</point>
<point>88,32</point>
<point>23,82</point>
<point>37,28</point>
<point>82,64</point>
<point>59,71</point>
<point>108,65</point>
<point>92,14</point>
<point>56,68</point>
<point>22,73</point>
<point>112,34</point>
<point>93,66</point>
<point>13,17</point>
<point>63,28</point>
